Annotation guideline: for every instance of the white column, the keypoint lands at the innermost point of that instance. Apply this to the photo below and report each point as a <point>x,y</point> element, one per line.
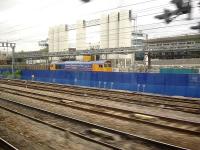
<point>114,30</point>
<point>125,62</point>
<point>56,38</point>
<point>125,28</point>
<point>80,35</point>
<point>133,59</point>
<point>63,38</point>
<point>104,31</point>
<point>51,39</point>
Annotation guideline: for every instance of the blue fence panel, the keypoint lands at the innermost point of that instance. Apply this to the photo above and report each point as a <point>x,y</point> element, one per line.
<point>167,84</point>
<point>5,70</point>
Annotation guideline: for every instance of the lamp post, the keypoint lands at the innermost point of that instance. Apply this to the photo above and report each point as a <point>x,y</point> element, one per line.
<point>11,45</point>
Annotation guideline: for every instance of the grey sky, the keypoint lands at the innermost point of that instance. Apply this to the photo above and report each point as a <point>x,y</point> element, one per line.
<point>27,21</point>
<point>7,4</point>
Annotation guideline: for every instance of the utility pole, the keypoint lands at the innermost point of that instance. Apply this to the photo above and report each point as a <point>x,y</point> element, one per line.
<point>13,60</point>
<point>147,55</point>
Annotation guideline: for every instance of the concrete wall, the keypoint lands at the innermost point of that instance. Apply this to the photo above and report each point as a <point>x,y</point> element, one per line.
<point>116,29</point>
<point>58,38</point>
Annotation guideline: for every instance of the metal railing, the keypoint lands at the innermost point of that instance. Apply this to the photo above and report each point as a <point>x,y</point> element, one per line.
<point>125,50</point>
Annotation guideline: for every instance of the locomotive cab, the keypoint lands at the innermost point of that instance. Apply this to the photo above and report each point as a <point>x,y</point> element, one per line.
<point>102,66</point>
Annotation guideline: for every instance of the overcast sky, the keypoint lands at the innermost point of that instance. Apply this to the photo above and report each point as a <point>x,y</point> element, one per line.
<point>27,21</point>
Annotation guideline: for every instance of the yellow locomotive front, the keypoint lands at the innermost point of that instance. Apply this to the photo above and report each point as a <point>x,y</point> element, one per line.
<point>102,66</point>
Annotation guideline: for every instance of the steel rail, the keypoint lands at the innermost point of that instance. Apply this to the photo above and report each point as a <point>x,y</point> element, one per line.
<point>117,98</point>
<point>130,100</point>
<point>6,145</point>
<point>61,129</point>
<point>109,91</point>
<point>126,135</point>
<point>127,115</point>
<point>128,93</point>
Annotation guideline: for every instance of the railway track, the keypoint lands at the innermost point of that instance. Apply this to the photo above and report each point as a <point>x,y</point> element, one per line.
<point>111,138</point>
<point>124,93</point>
<point>190,106</point>
<point>139,100</point>
<point>108,91</point>
<point>118,113</point>
<point>4,145</point>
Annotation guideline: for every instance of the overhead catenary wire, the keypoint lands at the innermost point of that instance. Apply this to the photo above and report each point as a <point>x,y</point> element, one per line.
<point>2,22</point>
<point>147,28</point>
<point>123,6</point>
<point>129,32</point>
<point>25,29</point>
<point>29,27</point>
<point>118,7</point>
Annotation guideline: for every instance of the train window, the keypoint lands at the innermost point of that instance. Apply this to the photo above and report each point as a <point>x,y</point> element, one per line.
<point>100,66</point>
<point>109,64</point>
<point>58,66</point>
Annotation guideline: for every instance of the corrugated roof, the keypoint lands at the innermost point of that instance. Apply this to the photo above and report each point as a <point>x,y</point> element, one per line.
<point>195,37</point>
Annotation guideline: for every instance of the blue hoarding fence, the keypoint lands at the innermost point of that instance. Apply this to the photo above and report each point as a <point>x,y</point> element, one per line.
<point>167,84</point>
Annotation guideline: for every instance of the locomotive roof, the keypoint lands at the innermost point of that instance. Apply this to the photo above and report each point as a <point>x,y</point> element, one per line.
<point>80,62</point>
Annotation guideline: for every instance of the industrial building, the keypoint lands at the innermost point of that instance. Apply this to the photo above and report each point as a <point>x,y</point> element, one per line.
<point>178,51</point>
<point>116,31</point>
